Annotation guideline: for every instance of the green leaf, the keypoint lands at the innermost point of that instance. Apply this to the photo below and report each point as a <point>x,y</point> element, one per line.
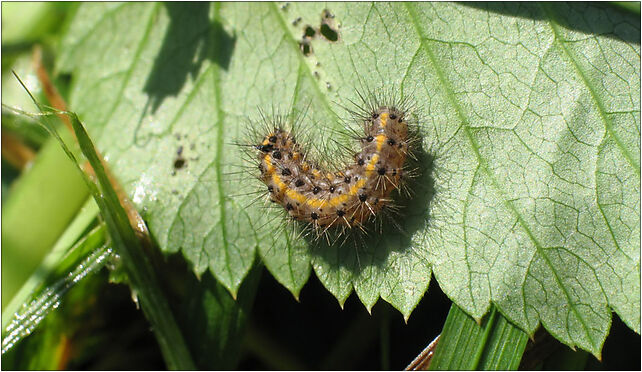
<point>530,111</point>
<point>495,344</point>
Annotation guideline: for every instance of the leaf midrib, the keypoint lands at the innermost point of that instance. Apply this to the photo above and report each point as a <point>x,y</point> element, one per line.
<point>483,163</point>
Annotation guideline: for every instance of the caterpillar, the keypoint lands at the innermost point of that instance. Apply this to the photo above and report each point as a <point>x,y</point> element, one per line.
<point>347,196</point>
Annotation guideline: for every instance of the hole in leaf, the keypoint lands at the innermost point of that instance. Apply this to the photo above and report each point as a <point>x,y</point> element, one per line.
<point>329,33</point>
<point>306,48</point>
<point>309,32</point>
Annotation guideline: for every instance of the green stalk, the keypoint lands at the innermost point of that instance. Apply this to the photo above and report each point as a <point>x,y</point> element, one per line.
<point>495,344</point>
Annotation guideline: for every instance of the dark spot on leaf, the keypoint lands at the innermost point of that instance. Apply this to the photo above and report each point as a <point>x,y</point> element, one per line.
<point>179,163</point>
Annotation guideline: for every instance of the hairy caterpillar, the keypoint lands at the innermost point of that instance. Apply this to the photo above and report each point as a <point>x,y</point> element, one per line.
<point>346,196</point>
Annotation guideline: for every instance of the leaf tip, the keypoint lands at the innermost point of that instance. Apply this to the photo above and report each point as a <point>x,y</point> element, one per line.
<point>531,336</point>
<point>233,291</point>
<point>134,294</point>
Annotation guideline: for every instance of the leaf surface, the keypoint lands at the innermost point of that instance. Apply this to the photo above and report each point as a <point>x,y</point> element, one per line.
<point>530,114</point>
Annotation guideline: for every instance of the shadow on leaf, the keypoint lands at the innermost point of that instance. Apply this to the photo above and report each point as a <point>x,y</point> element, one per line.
<point>191,38</point>
<point>594,18</point>
<point>390,232</point>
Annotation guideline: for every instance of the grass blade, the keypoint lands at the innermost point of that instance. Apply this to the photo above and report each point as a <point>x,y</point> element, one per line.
<point>495,344</point>
<point>54,263</point>
<point>49,214</point>
<point>144,283</point>
<point>92,254</point>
